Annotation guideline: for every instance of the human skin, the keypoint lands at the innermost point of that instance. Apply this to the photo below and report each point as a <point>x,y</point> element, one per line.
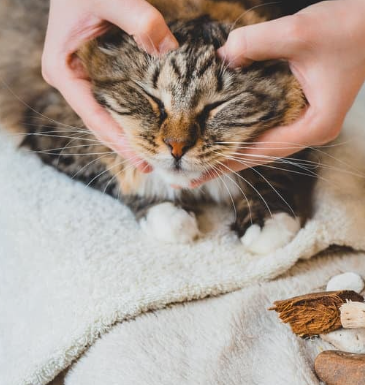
<point>324,44</point>
<point>325,47</point>
<point>71,23</point>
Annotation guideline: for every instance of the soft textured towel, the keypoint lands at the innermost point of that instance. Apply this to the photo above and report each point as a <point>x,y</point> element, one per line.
<point>229,340</point>
<point>73,261</point>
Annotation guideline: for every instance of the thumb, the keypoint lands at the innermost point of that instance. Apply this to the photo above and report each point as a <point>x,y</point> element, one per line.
<point>144,22</point>
<point>277,39</point>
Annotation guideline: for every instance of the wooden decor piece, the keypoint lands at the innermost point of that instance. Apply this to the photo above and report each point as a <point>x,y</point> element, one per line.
<point>316,313</point>
<point>340,368</point>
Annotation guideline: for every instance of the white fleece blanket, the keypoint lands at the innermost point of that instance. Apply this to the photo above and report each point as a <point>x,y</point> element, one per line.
<point>229,340</point>
<point>73,261</point>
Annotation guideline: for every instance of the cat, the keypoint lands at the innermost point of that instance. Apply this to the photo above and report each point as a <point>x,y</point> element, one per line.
<point>185,113</point>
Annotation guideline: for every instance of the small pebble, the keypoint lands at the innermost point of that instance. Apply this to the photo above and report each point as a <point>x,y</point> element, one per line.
<point>347,340</point>
<point>339,368</point>
<point>346,281</point>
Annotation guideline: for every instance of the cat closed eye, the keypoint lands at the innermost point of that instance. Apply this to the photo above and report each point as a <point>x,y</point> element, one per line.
<point>160,105</point>
<point>212,106</point>
<point>203,116</point>
<point>163,113</point>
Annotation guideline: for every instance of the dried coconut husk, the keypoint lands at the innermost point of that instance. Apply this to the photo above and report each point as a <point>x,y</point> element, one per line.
<point>316,313</point>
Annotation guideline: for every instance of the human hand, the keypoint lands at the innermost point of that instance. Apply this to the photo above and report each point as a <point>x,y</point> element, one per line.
<point>72,23</point>
<point>325,47</point>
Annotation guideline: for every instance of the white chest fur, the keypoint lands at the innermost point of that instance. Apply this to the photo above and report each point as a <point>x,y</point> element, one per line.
<point>160,184</point>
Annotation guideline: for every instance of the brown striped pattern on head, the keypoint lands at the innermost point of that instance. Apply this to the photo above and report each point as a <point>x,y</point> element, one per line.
<point>178,109</point>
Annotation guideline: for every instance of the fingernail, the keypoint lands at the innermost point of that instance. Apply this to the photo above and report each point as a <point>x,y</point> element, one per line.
<point>139,42</point>
<point>238,61</point>
<point>195,184</point>
<point>145,168</point>
<point>221,52</point>
<point>169,43</point>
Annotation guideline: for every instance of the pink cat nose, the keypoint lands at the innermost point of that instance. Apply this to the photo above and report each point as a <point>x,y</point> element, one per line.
<point>178,147</point>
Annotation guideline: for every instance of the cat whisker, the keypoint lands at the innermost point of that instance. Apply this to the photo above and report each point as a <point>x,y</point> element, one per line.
<point>280,160</point>
<point>301,162</point>
<point>227,64</point>
<point>45,152</point>
<point>74,146</point>
<point>109,169</point>
<point>42,116</point>
<point>243,193</point>
<point>67,146</point>
<point>291,161</point>
<point>288,146</point>
<point>95,141</point>
<point>250,10</point>
<point>54,129</point>
<point>318,149</point>
<point>313,175</point>
<point>119,172</point>
<point>59,136</point>
<point>249,183</point>
<point>307,163</point>
<point>252,144</point>
<point>52,124</point>
<point>273,188</point>
<point>252,164</point>
<point>111,180</point>
<point>214,169</point>
<point>88,165</point>
<point>31,108</point>
<point>98,143</point>
<point>128,167</point>
<point>207,170</point>
<point>155,50</point>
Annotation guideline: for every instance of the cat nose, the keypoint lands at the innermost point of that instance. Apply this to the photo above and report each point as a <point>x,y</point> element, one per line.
<point>178,147</point>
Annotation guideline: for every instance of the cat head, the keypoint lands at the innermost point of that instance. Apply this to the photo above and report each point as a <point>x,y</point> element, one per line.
<point>186,111</point>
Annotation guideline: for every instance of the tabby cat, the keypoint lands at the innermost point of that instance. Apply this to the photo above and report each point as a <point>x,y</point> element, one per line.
<point>185,113</point>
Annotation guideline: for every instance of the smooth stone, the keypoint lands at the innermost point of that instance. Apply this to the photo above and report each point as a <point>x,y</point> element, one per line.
<point>346,281</point>
<point>347,340</point>
<point>340,368</point>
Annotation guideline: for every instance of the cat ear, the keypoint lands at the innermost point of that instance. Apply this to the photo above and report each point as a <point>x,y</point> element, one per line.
<point>109,51</point>
<point>98,59</point>
<point>86,54</point>
<point>113,55</point>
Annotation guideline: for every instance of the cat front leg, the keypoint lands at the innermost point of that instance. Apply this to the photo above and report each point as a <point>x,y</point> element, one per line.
<point>165,221</point>
<point>267,222</point>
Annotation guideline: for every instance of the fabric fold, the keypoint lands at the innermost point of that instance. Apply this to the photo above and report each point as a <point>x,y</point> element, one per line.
<point>73,261</point>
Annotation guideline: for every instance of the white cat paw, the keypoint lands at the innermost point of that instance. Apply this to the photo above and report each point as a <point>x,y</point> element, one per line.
<point>277,232</point>
<point>170,224</point>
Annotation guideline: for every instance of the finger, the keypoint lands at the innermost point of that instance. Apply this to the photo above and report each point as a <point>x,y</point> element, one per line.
<point>143,21</point>
<point>319,124</point>
<point>275,144</point>
<point>62,42</point>
<point>77,92</point>
<point>277,39</point>
<point>227,167</point>
<point>311,129</point>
